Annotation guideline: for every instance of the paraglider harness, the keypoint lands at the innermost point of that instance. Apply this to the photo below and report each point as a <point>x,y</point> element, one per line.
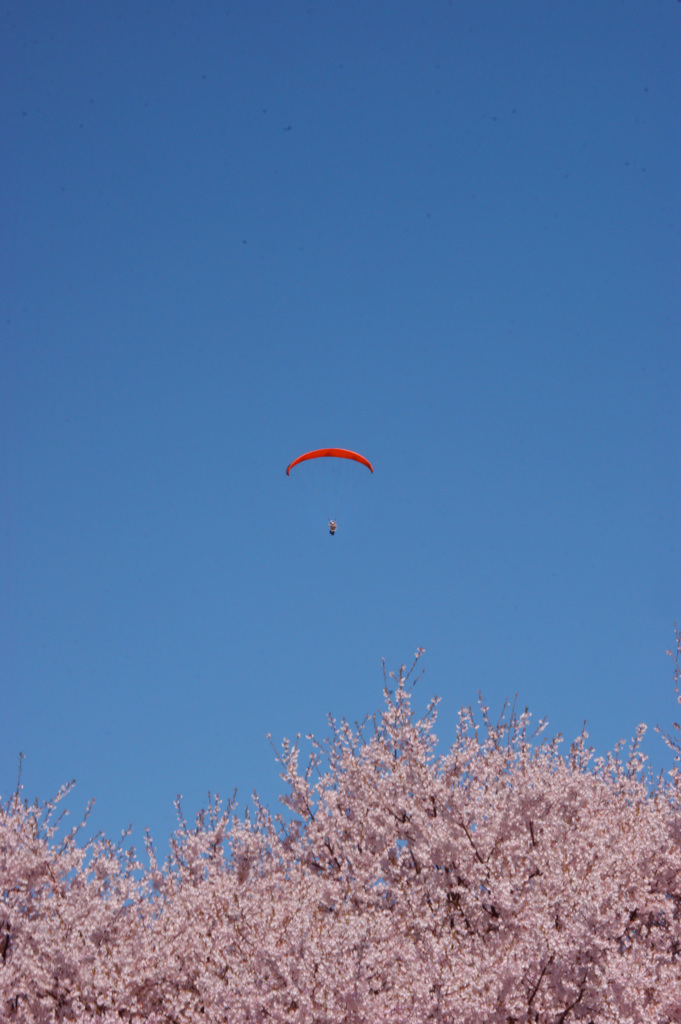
<point>333,526</point>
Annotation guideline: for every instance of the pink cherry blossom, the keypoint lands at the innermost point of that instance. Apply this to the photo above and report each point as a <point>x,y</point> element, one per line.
<point>499,881</point>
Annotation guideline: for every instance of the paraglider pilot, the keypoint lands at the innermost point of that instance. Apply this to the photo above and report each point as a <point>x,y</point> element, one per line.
<point>333,526</point>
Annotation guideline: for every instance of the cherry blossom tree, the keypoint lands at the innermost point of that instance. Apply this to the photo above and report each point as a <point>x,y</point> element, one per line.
<point>500,880</point>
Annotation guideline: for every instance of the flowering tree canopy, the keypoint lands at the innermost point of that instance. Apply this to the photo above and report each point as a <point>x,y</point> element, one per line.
<point>500,881</point>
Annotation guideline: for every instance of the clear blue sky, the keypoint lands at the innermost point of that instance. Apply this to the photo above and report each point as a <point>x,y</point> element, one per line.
<point>446,235</point>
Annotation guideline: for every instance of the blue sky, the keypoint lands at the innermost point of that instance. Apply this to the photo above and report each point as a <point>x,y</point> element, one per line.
<point>443,234</point>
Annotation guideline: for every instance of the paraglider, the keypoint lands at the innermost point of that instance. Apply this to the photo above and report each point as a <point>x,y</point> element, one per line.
<point>335,453</point>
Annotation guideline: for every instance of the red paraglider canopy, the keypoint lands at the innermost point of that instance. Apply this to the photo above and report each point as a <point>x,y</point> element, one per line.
<point>335,453</point>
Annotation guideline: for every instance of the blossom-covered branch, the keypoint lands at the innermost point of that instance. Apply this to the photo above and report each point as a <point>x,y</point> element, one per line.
<point>499,881</point>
